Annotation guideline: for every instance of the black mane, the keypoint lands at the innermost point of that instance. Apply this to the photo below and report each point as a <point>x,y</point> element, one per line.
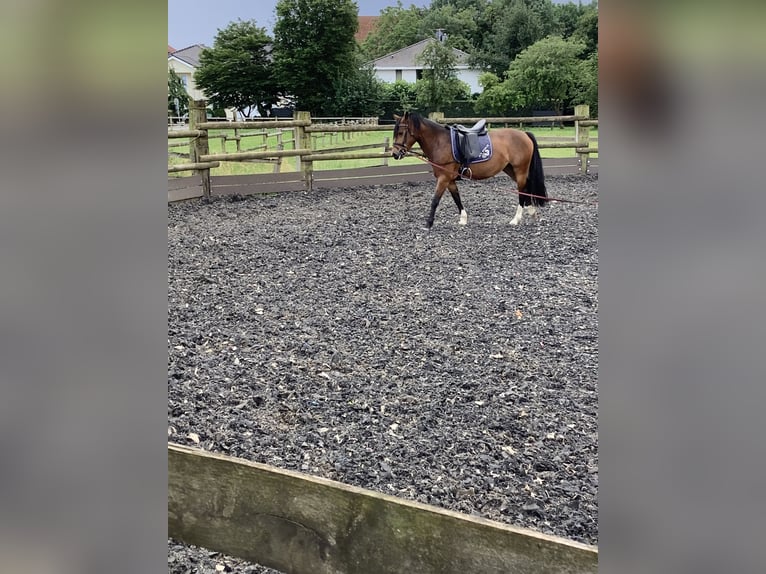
<point>417,119</point>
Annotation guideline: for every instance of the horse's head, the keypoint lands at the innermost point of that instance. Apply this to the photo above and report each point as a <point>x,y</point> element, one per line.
<point>404,138</point>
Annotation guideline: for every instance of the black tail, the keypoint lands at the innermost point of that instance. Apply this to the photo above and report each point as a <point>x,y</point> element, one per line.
<point>536,177</point>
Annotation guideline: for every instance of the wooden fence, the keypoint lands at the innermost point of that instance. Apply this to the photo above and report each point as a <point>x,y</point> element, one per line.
<point>301,524</point>
<point>304,132</point>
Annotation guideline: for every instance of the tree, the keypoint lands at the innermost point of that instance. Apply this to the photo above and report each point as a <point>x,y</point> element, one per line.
<point>396,28</point>
<point>176,91</point>
<point>401,92</point>
<point>314,45</point>
<point>586,28</point>
<point>357,92</point>
<point>460,26</point>
<point>587,88</point>
<point>546,74</point>
<point>509,27</point>
<point>237,71</point>
<point>439,85</point>
<point>495,98</point>
<point>566,16</point>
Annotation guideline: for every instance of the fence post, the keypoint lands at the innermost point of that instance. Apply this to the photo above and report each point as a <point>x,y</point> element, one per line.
<point>304,142</point>
<point>386,149</point>
<point>436,116</point>
<point>199,145</point>
<point>280,147</point>
<point>582,137</point>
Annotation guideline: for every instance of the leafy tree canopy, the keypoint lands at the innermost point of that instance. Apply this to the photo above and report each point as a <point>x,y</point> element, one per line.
<point>586,28</point>
<point>493,32</point>
<point>547,74</point>
<point>511,26</point>
<point>401,92</point>
<point>396,28</point>
<point>176,92</point>
<point>357,92</point>
<point>237,71</point>
<point>587,89</point>
<point>314,46</point>
<point>439,84</point>
<point>460,25</point>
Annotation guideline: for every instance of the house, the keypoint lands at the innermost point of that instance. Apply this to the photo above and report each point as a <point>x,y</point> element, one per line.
<point>403,65</point>
<point>185,62</point>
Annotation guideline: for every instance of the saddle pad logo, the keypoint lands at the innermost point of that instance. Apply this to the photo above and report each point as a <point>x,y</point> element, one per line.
<point>484,147</point>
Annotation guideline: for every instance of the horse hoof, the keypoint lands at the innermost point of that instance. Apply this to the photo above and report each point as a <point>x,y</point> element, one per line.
<point>464,218</point>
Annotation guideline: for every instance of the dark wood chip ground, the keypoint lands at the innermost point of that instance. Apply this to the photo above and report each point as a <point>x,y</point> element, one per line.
<point>331,333</point>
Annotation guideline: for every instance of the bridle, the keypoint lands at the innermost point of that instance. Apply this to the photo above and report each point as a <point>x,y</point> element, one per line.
<point>402,147</point>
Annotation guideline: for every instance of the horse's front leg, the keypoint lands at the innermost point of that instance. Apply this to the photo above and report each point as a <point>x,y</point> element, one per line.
<point>441,185</point>
<point>452,187</point>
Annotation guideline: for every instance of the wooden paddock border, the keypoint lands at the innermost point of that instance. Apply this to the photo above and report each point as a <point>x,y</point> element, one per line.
<point>302,524</point>
<point>303,134</point>
<point>185,188</point>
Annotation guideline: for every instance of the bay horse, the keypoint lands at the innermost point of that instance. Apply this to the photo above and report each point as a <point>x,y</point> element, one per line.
<point>513,151</point>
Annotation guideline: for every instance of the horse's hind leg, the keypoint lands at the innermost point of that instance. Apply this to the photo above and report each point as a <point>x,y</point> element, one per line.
<point>522,203</point>
<point>532,211</point>
<point>452,187</point>
<point>526,205</point>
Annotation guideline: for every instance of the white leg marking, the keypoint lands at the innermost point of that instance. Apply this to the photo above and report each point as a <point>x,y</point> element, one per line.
<point>517,217</point>
<point>463,217</point>
<point>531,210</point>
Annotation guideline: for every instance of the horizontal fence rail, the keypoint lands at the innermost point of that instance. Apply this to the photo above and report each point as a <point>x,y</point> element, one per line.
<point>518,120</point>
<point>185,133</point>
<point>255,155</point>
<point>260,125</point>
<point>307,525</point>
<point>193,166</point>
<point>329,128</point>
<point>304,133</point>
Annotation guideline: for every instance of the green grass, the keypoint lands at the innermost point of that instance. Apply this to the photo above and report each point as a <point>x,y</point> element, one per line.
<point>335,141</point>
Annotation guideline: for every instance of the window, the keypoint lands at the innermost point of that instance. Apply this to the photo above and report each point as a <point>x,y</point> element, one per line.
<point>184,80</point>
<point>398,75</point>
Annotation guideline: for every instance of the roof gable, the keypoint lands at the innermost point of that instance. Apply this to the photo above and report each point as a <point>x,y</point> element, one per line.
<point>406,57</point>
<point>189,55</point>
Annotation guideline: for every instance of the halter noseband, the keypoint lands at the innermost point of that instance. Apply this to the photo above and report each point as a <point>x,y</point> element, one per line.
<point>403,149</point>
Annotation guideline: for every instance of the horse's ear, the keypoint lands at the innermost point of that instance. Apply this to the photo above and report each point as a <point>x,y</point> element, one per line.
<point>397,118</point>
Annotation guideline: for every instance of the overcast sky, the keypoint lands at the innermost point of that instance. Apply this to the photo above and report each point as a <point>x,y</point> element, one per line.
<point>198,22</point>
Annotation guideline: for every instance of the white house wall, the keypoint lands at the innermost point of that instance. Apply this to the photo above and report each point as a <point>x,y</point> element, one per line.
<point>390,75</point>
<point>470,77</point>
<point>182,68</point>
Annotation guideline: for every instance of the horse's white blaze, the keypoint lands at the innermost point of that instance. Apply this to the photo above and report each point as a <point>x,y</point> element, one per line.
<point>517,217</point>
<point>463,217</point>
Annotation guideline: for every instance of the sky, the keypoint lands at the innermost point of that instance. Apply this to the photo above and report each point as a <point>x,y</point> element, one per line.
<point>199,24</point>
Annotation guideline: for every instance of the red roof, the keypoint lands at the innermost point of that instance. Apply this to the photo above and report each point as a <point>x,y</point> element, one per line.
<point>366,25</point>
<point>171,49</point>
